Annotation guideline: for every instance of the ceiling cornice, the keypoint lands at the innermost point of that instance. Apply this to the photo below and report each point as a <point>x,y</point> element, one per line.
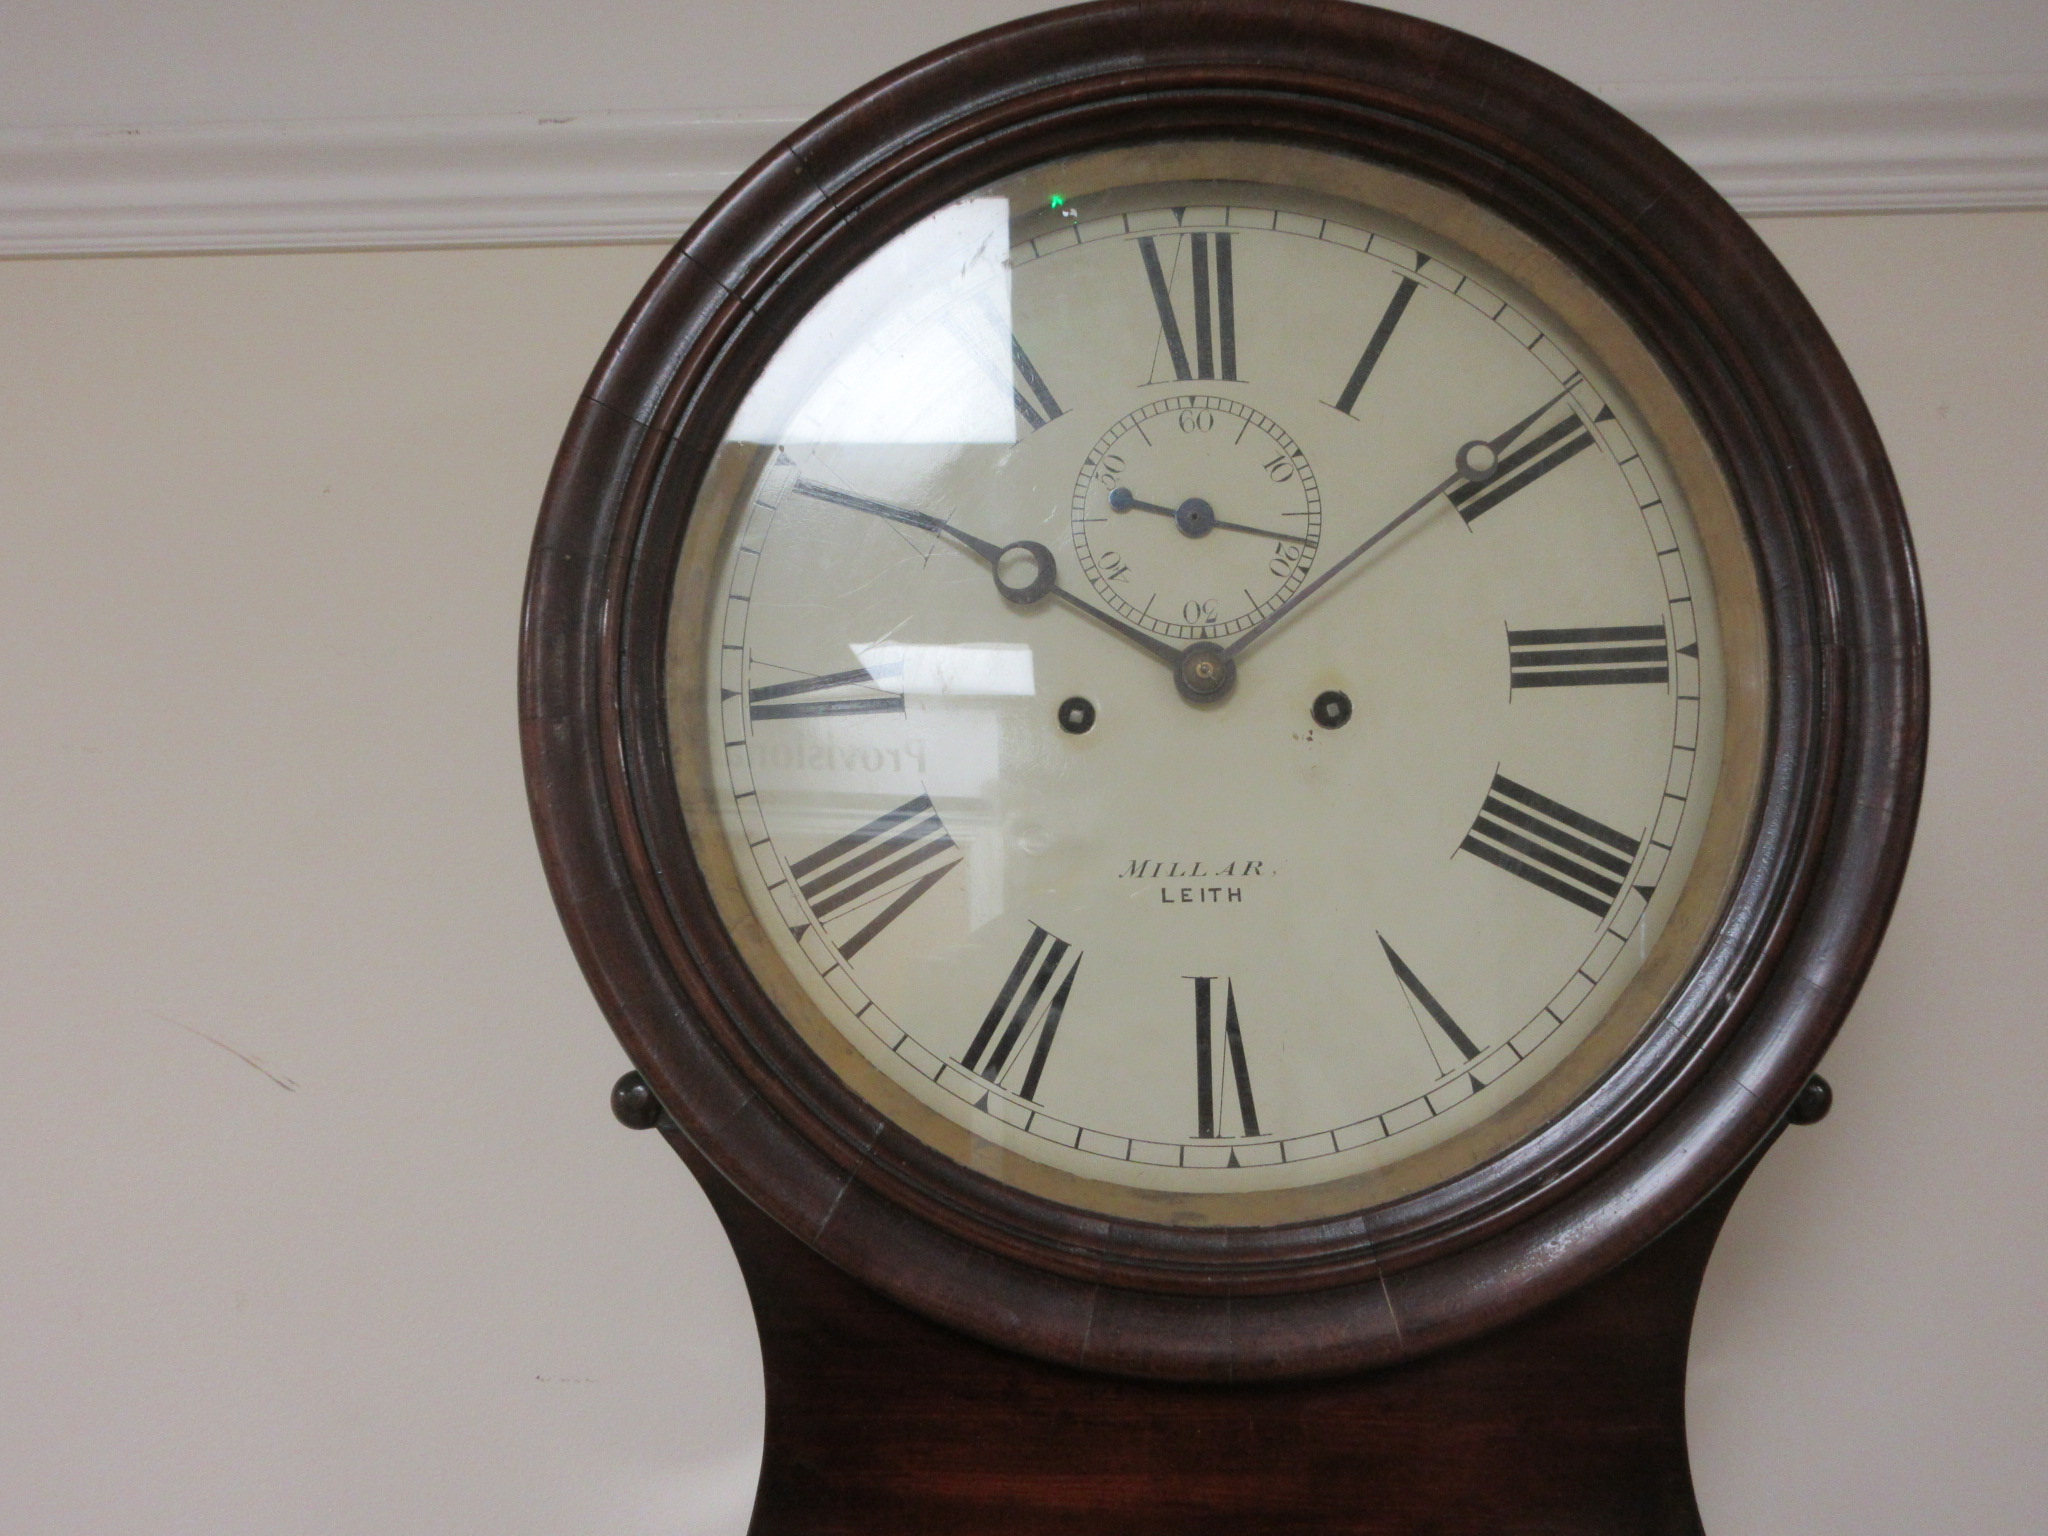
<point>1772,147</point>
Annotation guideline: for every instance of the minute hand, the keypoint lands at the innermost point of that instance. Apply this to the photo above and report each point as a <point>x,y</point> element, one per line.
<point>1496,445</point>
<point>991,555</point>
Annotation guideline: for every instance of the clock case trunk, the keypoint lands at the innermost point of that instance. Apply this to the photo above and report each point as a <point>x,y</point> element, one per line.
<point>1571,1420</point>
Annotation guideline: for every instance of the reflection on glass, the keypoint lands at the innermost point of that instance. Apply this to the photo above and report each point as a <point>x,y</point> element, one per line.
<point>985,670</point>
<point>913,347</point>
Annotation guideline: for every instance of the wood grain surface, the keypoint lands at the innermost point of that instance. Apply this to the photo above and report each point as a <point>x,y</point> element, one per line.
<point>878,1420</point>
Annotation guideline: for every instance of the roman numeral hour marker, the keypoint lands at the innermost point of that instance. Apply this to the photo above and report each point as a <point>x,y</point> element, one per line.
<point>1448,1026</point>
<point>1522,468</point>
<point>1574,658</point>
<point>881,864</point>
<point>1215,311</point>
<point>1022,1015</point>
<point>1219,1071</point>
<point>1553,847</point>
<point>1037,407</point>
<point>1382,334</point>
<point>786,701</point>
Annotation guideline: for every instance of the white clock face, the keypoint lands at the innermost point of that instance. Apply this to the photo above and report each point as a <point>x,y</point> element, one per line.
<point>1201,693</point>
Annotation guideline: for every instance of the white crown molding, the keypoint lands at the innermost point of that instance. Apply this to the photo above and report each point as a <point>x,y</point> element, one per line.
<point>357,184</point>
<point>1772,147</point>
<point>1917,145</point>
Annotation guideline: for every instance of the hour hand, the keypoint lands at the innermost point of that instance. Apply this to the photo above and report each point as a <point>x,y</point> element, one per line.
<point>1024,571</point>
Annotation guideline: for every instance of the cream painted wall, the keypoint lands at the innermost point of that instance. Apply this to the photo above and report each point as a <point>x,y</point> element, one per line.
<point>1871,1351</point>
<point>315,1218</point>
<point>107,62</point>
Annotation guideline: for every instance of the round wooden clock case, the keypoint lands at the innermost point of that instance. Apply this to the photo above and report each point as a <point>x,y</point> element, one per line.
<point>1550,1275</point>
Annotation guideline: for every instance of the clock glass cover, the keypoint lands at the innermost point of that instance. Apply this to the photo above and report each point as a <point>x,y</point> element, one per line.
<point>1216,683</point>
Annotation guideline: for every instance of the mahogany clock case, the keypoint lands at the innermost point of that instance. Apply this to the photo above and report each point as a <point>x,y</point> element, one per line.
<point>1708,1082</point>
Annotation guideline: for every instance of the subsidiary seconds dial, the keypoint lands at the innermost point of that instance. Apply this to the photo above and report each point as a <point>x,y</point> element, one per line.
<point>1196,516</point>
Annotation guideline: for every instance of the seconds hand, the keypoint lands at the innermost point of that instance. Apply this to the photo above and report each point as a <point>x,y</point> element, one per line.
<point>1195,517</point>
<point>1467,469</point>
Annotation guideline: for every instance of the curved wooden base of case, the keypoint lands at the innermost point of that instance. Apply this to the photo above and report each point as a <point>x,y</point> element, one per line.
<point>1569,1423</point>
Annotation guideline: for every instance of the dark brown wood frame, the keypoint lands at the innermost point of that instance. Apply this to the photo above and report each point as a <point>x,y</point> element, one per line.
<point>1683,1110</point>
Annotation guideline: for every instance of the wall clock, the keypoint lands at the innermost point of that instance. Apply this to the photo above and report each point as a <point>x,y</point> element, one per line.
<point>1225,696</point>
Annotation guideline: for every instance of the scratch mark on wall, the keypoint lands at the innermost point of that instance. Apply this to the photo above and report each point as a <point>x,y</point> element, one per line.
<point>283,1082</point>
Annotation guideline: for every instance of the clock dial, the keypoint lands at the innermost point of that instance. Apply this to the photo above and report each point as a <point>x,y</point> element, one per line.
<point>1205,688</point>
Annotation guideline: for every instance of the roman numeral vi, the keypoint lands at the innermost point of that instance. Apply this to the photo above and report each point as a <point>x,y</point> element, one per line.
<point>1218,1071</point>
